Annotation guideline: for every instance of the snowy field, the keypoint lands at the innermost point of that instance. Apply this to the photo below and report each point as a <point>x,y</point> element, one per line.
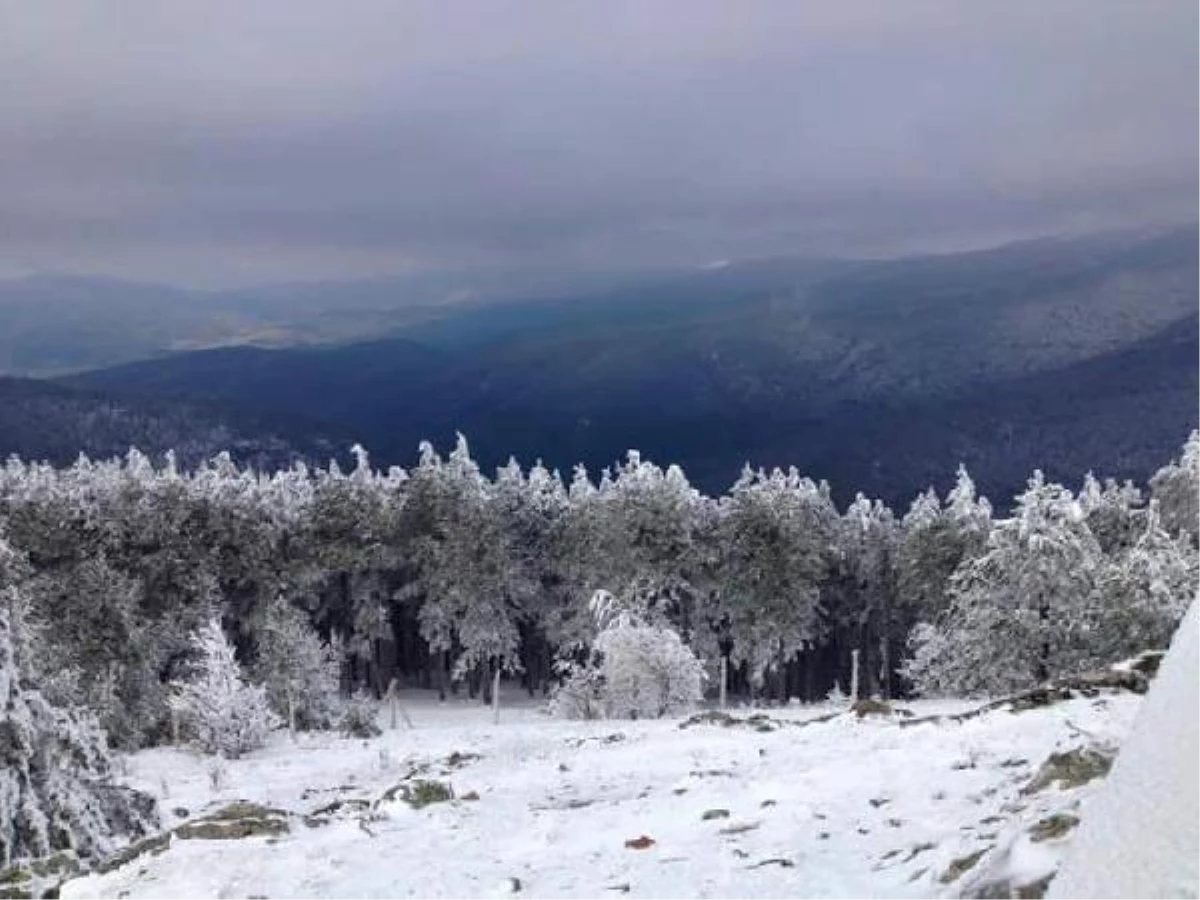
<point>820,806</point>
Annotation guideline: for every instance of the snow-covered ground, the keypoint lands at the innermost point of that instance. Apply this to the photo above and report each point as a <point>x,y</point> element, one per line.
<point>835,808</point>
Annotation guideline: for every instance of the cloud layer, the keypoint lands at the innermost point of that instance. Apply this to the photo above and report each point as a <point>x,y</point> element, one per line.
<point>282,139</point>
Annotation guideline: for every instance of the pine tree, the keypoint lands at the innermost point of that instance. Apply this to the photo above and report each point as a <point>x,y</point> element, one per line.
<point>1142,593</point>
<point>864,591</point>
<point>776,534</point>
<point>1113,511</point>
<point>646,542</point>
<point>934,542</point>
<point>299,671</point>
<point>55,790</point>
<point>1176,487</point>
<point>223,714</point>
<point>472,585</point>
<point>1018,613</point>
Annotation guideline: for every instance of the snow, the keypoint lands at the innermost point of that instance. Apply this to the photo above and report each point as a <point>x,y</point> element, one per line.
<point>852,807</point>
<point>1139,836</point>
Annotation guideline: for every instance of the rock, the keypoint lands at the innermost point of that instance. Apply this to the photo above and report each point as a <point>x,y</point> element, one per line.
<point>711,717</point>
<point>868,707</point>
<point>1070,769</point>
<point>917,850</point>
<point>1052,827</point>
<point>1005,889</point>
<point>235,821</point>
<point>243,809</point>
<point>355,804</point>
<point>470,796</point>
<point>457,760</point>
<point>181,811</point>
<point>714,814</point>
<point>155,844</point>
<point>963,864</point>
<point>739,828</point>
<point>325,814</point>
<point>1147,663</point>
<point>643,842</point>
<point>233,830</point>
<point>774,861</point>
<point>1034,890</point>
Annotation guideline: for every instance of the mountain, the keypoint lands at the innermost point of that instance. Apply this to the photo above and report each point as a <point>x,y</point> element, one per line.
<point>51,422</point>
<point>880,375</point>
<point>56,324</point>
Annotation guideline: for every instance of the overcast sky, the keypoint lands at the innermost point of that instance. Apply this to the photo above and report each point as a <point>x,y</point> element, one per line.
<point>232,142</point>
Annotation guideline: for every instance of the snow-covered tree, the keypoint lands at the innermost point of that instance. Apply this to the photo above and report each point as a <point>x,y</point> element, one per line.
<point>299,670</point>
<point>471,582</point>
<point>216,707</point>
<point>863,591</point>
<point>1142,593</point>
<point>1176,487</point>
<point>775,535</point>
<point>1113,512</point>
<point>647,547</point>
<point>1019,613</point>
<point>934,541</point>
<point>55,792</point>
<point>633,670</point>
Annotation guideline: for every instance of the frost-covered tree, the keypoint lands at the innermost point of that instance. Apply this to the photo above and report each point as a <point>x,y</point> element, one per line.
<point>55,790</point>
<point>348,551</point>
<point>862,591</point>
<point>1176,487</point>
<point>471,581</point>
<point>1019,613</point>
<point>1142,593</point>
<point>775,536</point>
<point>934,541</point>
<point>633,670</point>
<point>647,552</point>
<point>94,631</point>
<point>216,707</point>
<point>1113,512</point>
<point>299,670</point>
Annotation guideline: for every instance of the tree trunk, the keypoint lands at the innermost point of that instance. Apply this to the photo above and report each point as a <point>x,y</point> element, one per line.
<point>810,672</point>
<point>1043,663</point>
<point>885,669</point>
<point>854,674</point>
<point>724,680</point>
<point>496,694</point>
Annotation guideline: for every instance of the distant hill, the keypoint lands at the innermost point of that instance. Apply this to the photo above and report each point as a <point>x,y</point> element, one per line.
<point>56,324</point>
<point>878,375</point>
<point>50,422</point>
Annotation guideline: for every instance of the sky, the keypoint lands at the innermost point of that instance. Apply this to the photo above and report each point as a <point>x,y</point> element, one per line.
<point>219,144</point>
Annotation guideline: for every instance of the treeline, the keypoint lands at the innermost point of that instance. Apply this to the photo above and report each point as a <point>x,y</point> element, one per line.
<point>440,576</point>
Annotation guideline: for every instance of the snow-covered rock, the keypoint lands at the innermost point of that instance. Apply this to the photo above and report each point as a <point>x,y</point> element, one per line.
<point>1140,835</point>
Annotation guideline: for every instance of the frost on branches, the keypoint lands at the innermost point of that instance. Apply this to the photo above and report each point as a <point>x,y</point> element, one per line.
<point>1045,599</point>
<point>216,707</point>
<point>298,669</point>
<point>633,671</point>
<point>54,764</point>
<point>1018,613</point>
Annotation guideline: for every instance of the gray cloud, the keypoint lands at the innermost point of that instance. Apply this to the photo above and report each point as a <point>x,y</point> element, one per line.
<point>297,138</point>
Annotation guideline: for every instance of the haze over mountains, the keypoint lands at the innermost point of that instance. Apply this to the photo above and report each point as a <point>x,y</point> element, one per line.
<point>878,375</point>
